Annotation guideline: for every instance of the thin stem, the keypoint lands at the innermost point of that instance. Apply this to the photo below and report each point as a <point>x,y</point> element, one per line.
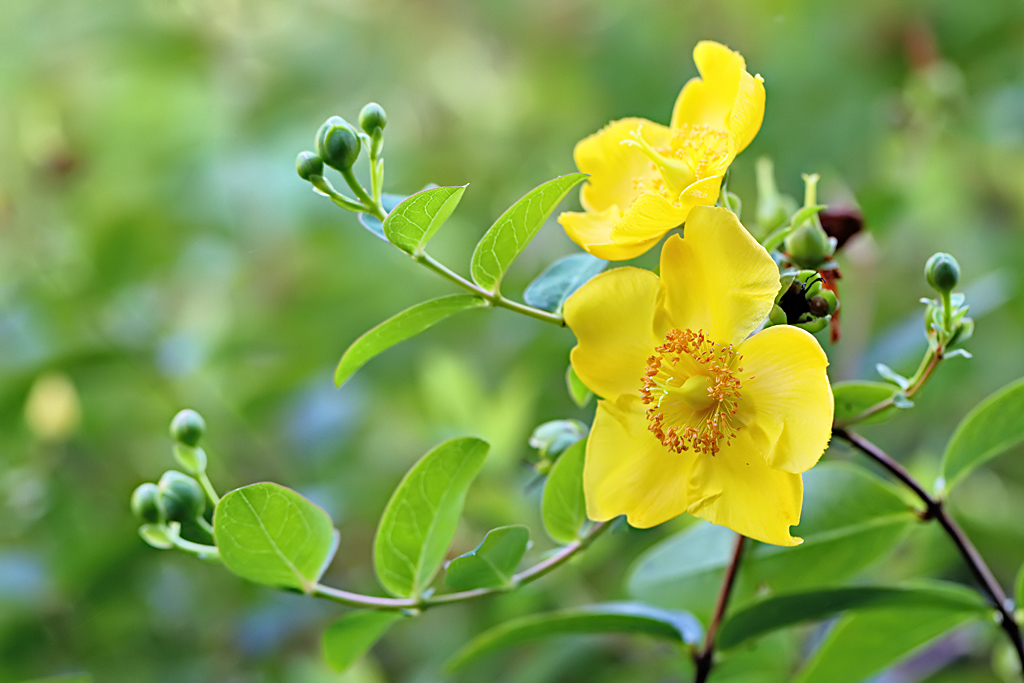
<point>704,659</point>
<point>207,551</point>
<point>522,578</point>
<point>204,525</point>
<point>934,509</point>
<point>493,298</point>
<point>325,187</point>
<point>211,493</point>
<point>373,207</point>
<point>928,364</point>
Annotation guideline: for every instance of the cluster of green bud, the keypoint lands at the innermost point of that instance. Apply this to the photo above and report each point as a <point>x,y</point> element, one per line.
<point>803,301</point>
<point>808,246</point>
<point>553,438</point>
<point>178,498</point>
<point>945,320</point>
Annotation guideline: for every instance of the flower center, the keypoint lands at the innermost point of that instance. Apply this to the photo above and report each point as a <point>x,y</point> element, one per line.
<point>693,392</point>
<point>693,152</point>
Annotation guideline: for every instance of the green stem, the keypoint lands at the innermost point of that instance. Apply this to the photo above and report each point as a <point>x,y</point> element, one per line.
<point>207,551</point>
<point>211,493</point>
<point>522,578</point>
<point>372,207</point>
<point>324,185</point>
<point>204,525</point>
<point>924,372</point>
<point>493,298</point>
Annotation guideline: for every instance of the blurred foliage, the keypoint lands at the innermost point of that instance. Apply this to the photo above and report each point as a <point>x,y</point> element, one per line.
<point>157,251</point>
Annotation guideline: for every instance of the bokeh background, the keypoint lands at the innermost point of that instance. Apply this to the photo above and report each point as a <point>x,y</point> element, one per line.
<point>157,251</point>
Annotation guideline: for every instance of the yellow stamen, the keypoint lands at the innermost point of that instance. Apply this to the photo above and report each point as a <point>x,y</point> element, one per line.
<point>693,392</point>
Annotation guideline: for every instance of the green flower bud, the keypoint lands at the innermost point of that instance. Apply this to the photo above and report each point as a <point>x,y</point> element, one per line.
<point>776,316</point>
<point>308,164</point>
<point>553,438</point>
<point>814,325</point>
<point>808,246</point>
<point>942,272</point>
<point>188,427</point>
<point>181,497</point>
<point>372,118</point>
<point>823,303</point>
<point>338,144</point>
<point>144,503</point>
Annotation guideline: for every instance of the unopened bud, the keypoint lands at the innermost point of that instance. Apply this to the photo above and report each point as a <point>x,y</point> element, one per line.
<point>942,272</point>
<point>309,165</point>
<point>338,144</point>
<point>372,118</point>
<point>144,503</point>
<point>188,427</point>
<point>808,246</point>
<point>777,316</point>
<point>181,497</point>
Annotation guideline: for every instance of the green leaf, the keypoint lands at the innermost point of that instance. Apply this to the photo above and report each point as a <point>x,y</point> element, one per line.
<point>625,617</point>
<point>372,223</point>
<point>796,608</point>
<point>562,507</point>
<point>493,563</point>
<point>420,519</point>
<point>405,325</point>
<point>271,535</point>
<point>578,391</point>
<point>865,642</point>
<point>559,280</point>
<point>853,398</point>
<point>850,518</point>
<point>411,224</point>
<point>510,234</point>
<point>350,637</point>
<point>994,426</point>
<point>888,373</point>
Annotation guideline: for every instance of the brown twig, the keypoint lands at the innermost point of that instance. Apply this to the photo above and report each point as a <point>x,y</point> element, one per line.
<point>704,658</point>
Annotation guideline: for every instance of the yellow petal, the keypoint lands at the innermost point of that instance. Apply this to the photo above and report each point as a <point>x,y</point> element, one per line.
<point>747,113</point>
<point>789,394</point>
<point>737,489</point>
<point>709,100</point>
<point>612,317</point>
<point>652,215</point>
<point>593,232</point>
<point>615,168</point>
<point>717,278</point>
<point>629,472</point>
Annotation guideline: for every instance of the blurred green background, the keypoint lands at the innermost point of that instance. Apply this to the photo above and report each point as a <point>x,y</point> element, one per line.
<point>157,251</point>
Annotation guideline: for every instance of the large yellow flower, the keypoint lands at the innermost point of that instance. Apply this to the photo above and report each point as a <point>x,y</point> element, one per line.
<point>645,177</point>
<point>697,415</point>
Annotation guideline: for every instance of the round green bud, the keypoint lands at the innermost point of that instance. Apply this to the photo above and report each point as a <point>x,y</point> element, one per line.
<point>777,316</point>
<point>338,144</point>
<point>181,497</point>
<point>144,503</point>
<point>823,303</point>
<point>188,427</point>
<point>808,246</point>
<point>308,164</point>
<point>372,118</point>
<point>942,272</point>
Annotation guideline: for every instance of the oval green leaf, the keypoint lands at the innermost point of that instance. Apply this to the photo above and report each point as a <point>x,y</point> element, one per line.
<point>993,427</point>
<point>863,643</point>
<point>625,617</point>
<point>562,507</point>
<point>796,608</point>
<point>510,234</point>
<point>578,391</point>
<point>419,521</point>
<point>350,637</point>
<point>493,563</point>
<point>853,398</point>
<point>405,325</point>
<point>559,280</point>
<point>272,535</point>
<point>411,224</point>
<point>850,519</point>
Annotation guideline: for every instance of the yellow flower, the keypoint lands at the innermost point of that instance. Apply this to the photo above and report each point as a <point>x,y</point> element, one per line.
<point>645,178</point>
<point>697,415</point>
